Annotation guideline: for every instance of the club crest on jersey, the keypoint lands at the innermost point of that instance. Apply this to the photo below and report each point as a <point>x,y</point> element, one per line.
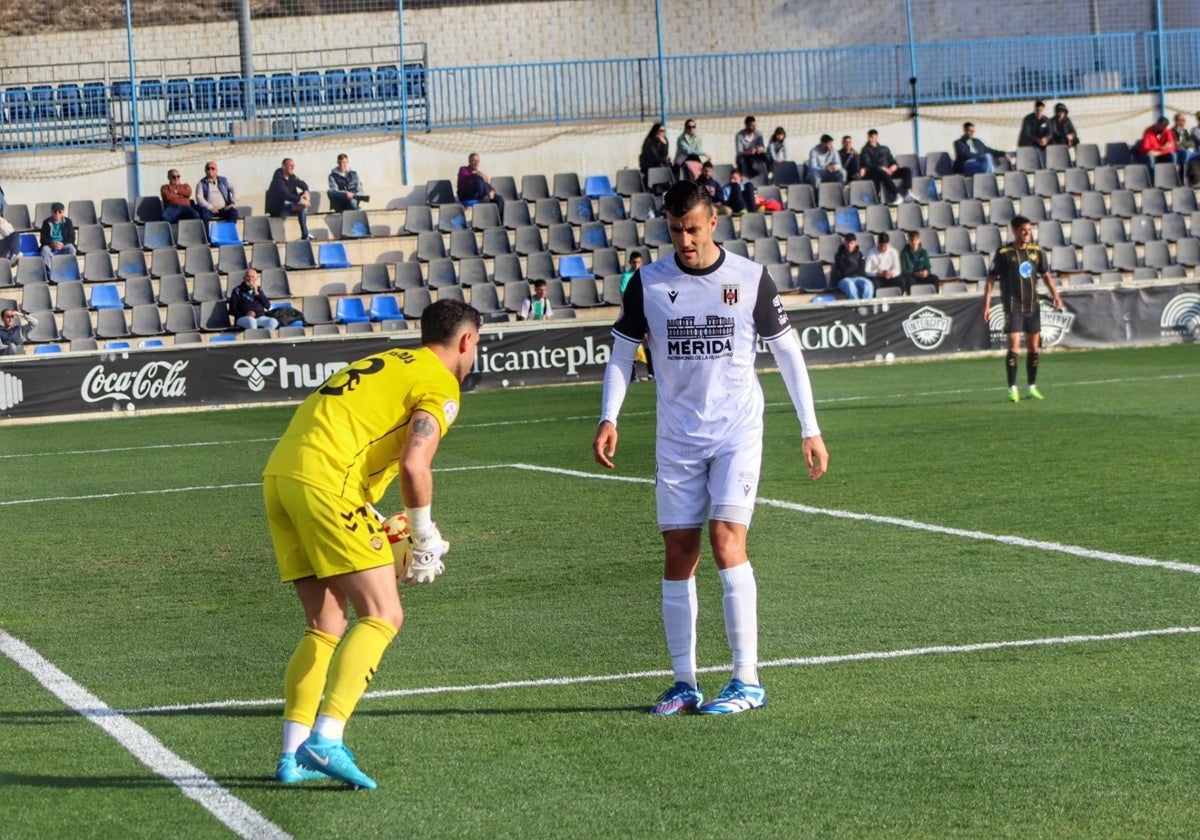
<point>729,294</point>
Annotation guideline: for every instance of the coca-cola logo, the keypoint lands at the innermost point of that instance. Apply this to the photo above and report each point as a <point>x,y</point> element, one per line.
<point>152,380</point>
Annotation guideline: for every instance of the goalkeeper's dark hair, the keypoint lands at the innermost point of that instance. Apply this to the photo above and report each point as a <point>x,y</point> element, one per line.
<point>444,319</point>
<point>686,196</point>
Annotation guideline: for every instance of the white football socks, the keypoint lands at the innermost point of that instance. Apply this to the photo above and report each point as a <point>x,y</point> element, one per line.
<point>294,734</point>
<point>679,609</point>
<point>740,604</point>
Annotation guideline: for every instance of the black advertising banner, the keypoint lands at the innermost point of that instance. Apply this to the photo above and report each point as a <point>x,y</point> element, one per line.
<point>236,373</point>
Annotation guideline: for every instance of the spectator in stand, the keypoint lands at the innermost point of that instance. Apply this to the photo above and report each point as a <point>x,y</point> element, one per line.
<point>877,163</point>
<point>1062,130</point>
<point>345,188</point>
<point>849,157</point>
<point>177,199</point>
<point>57,234</point>
<point>635,262</point>
<point>216,199</point>
<point>849,271</point>
<point>3,200</point>
<point>883,263</point>
<point>643,351</point>
<point>288,196</point>
<point>10,241</point>
<point>12,334</point>
<point>740,196</point>
<point>751,151</point>
<point>914,264</point>
<point>824,164</point>
<point>972,155</point>
<point>1035,128</point>
<point>1157,144</point>
<point>475,185</point>
<point>687,146</point>
<point>248,304</point>
<point>777,150</point>
<point>536,307</point>
<point>713,186</point>
<point>656,151</point>
<point>1186,147</point>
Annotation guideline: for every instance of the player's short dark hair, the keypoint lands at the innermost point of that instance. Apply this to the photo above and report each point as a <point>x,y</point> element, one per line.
<point>849,237</point>
<point>872,133</point>
<point>443,319</point>
<point>967,125</point>
<point>1041,103</point>
<point>882,237</point>
<point>825,138</point>
<point>750,119</point>
<point>1019,221</point>
<point>684,197</point>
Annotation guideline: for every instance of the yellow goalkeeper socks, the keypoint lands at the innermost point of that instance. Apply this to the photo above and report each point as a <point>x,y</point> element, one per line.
<point>354,664</point>
<point>304,681</point>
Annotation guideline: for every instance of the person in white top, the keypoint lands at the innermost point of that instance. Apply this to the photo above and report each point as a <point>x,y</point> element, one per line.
<point>702,311</point>
<point>824,164</point>
<point>883,262</point>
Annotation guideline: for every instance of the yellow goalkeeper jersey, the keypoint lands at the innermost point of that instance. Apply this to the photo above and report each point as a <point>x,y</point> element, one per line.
<point>348,435</point>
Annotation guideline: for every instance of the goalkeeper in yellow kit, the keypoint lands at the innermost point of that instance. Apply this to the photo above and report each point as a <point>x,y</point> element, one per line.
<point>379,418</point>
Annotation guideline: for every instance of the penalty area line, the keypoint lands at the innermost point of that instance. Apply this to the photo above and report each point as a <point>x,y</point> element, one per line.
<point>233,813</point>
<point>804,661</point>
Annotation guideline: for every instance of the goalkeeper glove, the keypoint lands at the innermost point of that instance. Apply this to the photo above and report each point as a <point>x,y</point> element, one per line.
<point>427,553</point>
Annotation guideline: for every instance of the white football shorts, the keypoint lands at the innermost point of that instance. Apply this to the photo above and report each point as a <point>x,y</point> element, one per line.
<point>692,487</point>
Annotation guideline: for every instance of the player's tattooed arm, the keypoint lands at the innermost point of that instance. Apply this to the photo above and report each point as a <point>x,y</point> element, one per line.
<point>423,430</point>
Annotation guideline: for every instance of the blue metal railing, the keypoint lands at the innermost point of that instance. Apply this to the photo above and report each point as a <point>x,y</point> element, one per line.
<point>283,105</point>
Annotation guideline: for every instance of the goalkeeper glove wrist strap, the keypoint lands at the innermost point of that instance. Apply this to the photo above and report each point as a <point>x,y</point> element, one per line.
<point>420,521</point>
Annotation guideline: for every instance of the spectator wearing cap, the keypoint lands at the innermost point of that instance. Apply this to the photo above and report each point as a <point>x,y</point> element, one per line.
<point>824,163</point>
<point>57,234</point>
<point>1062,130</point>
<point>177,199</point>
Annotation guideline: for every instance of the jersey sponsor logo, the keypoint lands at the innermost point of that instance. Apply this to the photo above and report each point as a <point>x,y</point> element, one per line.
<point>927,328</point>
<point>255,371</point>
<point>730,293</point>
<point>1180,317</point>
<point>689,341</point>
<point>450,409</point>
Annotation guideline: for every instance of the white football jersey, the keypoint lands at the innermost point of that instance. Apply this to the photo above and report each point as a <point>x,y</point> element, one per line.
<point>703,327</point>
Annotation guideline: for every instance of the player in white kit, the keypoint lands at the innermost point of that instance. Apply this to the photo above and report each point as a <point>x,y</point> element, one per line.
<point>703,310</point>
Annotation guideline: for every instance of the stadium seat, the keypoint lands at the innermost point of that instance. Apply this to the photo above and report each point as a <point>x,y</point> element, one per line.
<point>593,235</point>
<point>799,250</point>
<point>415,302</point>
<point>351,311</point>
<point>846,220</point>
<point>336,86</point>
<point>580,210</point>
<point>224,338</point>
<point>598,186</point>
<point>385,308</point>
<point>784,224</point>
<point>132,263</point>
<point>275,284</point>
<point>145,319</point>
<point>77,326</point>
<point>486,298</point>
<point>361,84</point>
<point>64,268</point>
<point>766,251</point>
<point>540,266</point>
<point>547,212</point>
<point>332,255</point>
<point>516,215</point>
<point>158,235</point>
<point>67,296</point>
<point>643,206</point>
<point>441,272</point>
<point>438,192</point>
<point>485,216</point>
<point>299,255</point>
<point>572,267</point>
<point>111,322</point>
<point>18,216</point>
<point>47,349</point>
<point>263,255</point>
<point>472,271</point>
<point>172,288</point>
<point>98,268</point>
<point>566,185</point>
<point>451,217</point>
<point>316,310</point>
<point>409,276</point>
<point>355,224</point>
<point>221,233</point>
<point>94,97</point>
<point>430,246</point>
<point>190,232</point>
<point>463,245</point>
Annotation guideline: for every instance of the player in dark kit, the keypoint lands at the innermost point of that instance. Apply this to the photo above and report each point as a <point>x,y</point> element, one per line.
<point>1018,266</point>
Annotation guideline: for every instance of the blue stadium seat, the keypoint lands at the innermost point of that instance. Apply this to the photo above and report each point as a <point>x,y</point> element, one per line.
<point>229,92</point>
<point>261,86</point>
<point>573,267</point>
<point>332,255</point>
<point>28,245</point>
<point>42,102</point>
<point>122,89</point>
<point>204,93</point>
<point>387,81</point>
<point>151,342</point>
<point>70,102</point>
<point>179,95</point>
<point>106,296</point>
<point>595,186</point>
<point>224,233</point>
<point>44,349</point>
<point>361,84</point>
<point>221,338</point>
<point>352,311</point>
<point>335,86</point>
<point>308,87</point>
<point>149,89</point>
<point>16,101</point>
<point>283,89</point>
<point>95,99</point>
<point>385,308</point>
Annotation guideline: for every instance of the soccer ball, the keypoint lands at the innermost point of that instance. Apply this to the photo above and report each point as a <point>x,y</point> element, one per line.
<point>396,528</point>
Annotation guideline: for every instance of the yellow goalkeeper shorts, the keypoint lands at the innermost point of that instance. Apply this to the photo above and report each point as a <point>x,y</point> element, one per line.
<point>320,534</point>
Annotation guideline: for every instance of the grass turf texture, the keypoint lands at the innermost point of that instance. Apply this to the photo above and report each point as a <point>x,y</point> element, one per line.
<point>171,598</point>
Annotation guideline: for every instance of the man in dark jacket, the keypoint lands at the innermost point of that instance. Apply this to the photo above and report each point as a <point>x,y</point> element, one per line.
<point>849,273</point>
<point>288,196</point>
<point>58,234</point>
<point>972,155</point>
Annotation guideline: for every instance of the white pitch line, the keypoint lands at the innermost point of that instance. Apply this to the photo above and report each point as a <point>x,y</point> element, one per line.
<point>806,661</point>
<point>1043,545</point>
<point>129,493</point>
<point>235,814</point>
